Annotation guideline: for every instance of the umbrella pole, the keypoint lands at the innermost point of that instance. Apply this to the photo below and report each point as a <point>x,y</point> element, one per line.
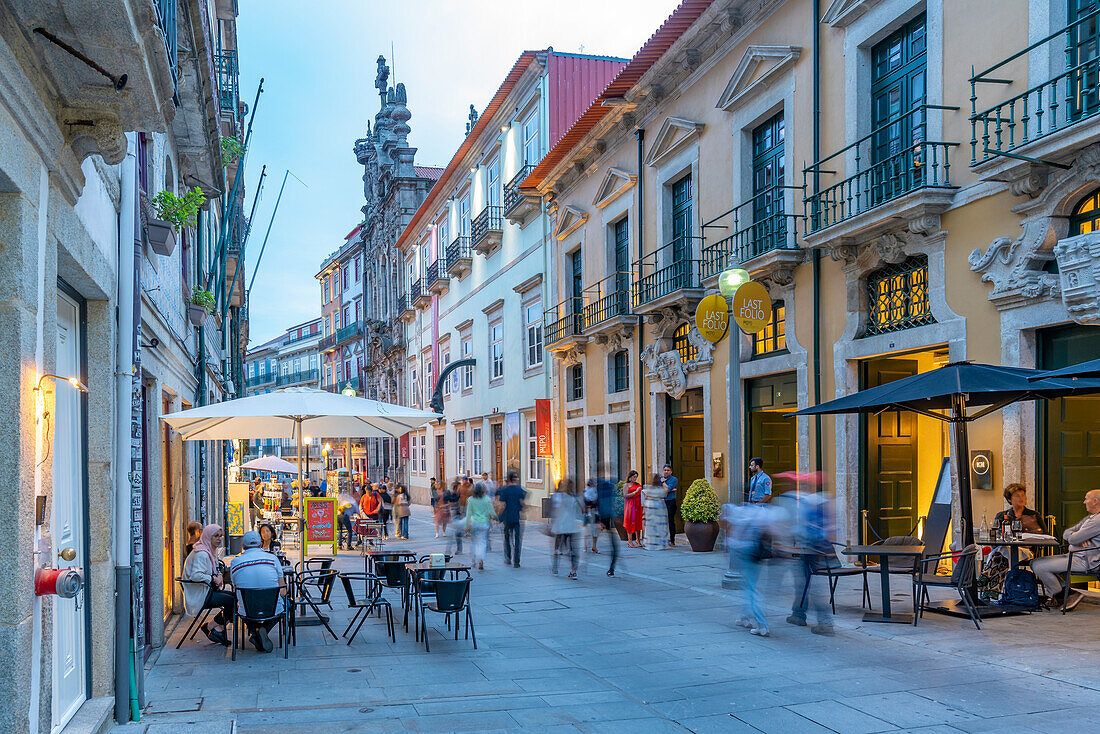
<point>301,497</point>
<point>962,466</point>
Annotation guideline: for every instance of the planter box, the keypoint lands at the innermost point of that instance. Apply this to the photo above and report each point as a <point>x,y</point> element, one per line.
<point>196,314</point>
<point>162,236</point>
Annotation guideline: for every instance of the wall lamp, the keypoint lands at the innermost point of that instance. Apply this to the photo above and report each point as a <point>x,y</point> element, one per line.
<point>71,380</point>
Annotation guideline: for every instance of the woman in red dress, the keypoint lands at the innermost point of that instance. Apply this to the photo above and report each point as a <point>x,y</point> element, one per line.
<point>632,514</point>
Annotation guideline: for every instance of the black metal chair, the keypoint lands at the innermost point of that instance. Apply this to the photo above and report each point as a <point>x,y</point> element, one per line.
<point>373,600</point>
<point>425,588</point>
<point>258,606</point>
<point>321,582</point>
<point>1074,575</point>
<point>835,568</point>
<point>962,575</point>
<point>452,596</point>
<point>318,563</point>
<point>200,619</point>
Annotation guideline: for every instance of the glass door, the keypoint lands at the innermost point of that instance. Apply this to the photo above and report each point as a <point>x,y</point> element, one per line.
<point>898,75</point>
<point>1082,53</point>
<point>769,230</point>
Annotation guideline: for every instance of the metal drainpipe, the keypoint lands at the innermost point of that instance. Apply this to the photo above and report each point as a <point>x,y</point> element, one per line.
<point>640,188</point>
<point>818,463</point>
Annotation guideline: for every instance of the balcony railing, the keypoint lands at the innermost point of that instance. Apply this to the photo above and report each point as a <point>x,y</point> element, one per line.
<point>759,225</point>
<point>166,21</point>
<point>609,298</point>
<point>666,270</point>
<point>486,229</point>
<point>419,295</point>
<point>1066,98</point>
<point>228,75</point>
<point>347,333</point>
<point>459,256</point>
<point>512,195</point>
<point>563,321</point>
<point>261,379</point>
<point>293,378</point>
<point>884,171</point>
<point>327,343</point>
<point>437,279</point>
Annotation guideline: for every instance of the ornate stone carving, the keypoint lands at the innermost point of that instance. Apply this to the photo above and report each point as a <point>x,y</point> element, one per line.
<point>570,356</point>
<point>890,248</point>
<point>704,349</point>
<point>1001,248</point>
<point>1029,185</point>
<point>925,224</point>
<point>666,367</point>
<point>781,276</point>
<point>842,253</point>
<point>1079,270</point>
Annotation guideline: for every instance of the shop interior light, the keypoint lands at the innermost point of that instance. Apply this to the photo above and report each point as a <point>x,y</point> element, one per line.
<point>732,279</point>
<point>71,380</point>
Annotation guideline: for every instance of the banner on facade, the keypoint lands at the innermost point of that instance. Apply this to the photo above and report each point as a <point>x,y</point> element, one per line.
<point>544,442</point>
<point>405,447</point>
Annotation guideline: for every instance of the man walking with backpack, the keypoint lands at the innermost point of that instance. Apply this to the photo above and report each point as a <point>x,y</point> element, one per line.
<point>512,496</point>
<point>605,514</point>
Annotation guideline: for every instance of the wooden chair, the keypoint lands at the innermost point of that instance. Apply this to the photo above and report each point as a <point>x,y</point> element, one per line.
<point>961,578</point>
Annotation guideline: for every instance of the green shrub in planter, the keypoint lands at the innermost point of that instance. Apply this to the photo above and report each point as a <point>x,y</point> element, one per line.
<point>202,298</point>
<point>700,503</point>
<point>232,150</point>
<point>179,211</point>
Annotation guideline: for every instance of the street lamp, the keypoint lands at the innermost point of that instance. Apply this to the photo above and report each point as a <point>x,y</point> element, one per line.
<point>308,440</point>
<point>728,282</point>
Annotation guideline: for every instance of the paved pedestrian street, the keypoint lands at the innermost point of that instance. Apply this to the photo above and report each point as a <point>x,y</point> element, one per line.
<point>654,649</point>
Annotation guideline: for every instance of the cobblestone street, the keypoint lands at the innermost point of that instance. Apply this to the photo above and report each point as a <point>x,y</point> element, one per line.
<point>654,649</point>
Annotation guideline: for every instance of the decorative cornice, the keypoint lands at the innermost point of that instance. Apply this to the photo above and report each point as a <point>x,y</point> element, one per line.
<point>747,81</point>
<point>528,285</point>
<point>841,13</point>
<point>614,184</point>
<point>674,134</point>
<point>570,218</point>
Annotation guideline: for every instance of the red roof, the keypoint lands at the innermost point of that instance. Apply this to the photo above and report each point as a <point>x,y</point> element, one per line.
<point>429,172</point>
<point>686,13</point>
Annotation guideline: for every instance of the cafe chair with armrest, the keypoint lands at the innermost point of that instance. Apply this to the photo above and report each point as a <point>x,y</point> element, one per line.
<point>1075,575</point>
<point>258,606</point>
<point>836,567</point>
<point>960,580</point>
<point>425,588</point>
<point>321,584</point>
<point>373,600</point>
<point>199,619</point>
<point>452,596</point>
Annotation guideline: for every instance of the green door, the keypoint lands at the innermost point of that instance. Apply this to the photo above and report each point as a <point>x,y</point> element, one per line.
<point>1071,428</point>
<point>890,456</point>
<point>898,74</point>
<point>769,226</point>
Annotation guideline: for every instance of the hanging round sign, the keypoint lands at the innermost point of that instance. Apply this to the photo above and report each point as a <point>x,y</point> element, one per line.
<point>712,318</point>
<point>751,307</point>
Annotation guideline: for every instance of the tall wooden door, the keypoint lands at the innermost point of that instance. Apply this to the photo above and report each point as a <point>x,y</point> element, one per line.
<point>1071,439</point>
<point>890,456</point>
<point>498,453</point>
<point>687,455</point>
<point>68,516</point>
<point>440,456</point>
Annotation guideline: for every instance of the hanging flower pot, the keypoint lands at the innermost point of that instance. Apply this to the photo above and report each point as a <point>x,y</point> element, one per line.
<point>162,236</point>
<point>196,314</point>
<point>199,305</point>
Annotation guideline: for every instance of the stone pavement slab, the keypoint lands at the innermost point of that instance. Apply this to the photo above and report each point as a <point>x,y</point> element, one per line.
<point>654,649</point>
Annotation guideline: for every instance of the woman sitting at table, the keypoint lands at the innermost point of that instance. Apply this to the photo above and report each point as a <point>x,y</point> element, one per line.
<point>268,538</point>
<point>202,584</point>
<point>1018,511</point>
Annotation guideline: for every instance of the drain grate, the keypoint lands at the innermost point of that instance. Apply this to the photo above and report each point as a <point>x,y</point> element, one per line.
<point>174,706</point>
<point>542,605</point>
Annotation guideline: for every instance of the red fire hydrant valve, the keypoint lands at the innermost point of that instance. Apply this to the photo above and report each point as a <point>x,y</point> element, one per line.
<point>63,582</point>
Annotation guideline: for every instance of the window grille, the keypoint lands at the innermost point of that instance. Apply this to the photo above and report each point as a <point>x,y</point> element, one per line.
<point>1086,215</point>
<point>688,351</point>
<point>774,336</point>
<point>898,297</point>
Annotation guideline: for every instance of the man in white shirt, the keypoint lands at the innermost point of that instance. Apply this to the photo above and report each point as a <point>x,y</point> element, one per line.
<point>1083,537</point>
<point>255,568</point>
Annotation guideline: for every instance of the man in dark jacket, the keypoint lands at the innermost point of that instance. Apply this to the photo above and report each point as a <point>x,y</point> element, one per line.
<point>512,495</point>
<point>605,510</point>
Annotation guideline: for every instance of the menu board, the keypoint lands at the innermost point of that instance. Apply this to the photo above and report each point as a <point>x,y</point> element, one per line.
<point>320,515</point>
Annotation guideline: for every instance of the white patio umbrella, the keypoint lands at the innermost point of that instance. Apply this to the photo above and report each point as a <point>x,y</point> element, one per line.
<point>294,412</point>
<point>271,464</point>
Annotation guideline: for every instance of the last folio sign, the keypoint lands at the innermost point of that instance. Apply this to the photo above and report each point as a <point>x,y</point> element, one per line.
<point>750,307</point>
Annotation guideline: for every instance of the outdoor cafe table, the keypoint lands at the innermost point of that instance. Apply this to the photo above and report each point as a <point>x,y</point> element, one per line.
<point>885,552</point>
<point>1015,545</point>
<point>414,570</point>
<point>370,555</point>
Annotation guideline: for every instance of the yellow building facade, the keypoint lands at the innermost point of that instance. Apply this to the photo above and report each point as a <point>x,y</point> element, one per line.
<point>903,212</point>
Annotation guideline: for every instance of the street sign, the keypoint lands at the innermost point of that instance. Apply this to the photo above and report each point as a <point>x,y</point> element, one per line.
<point>712,318</point>
<point>751,307</point>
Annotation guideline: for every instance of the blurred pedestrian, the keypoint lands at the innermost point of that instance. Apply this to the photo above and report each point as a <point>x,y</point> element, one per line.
<point>590,502</point>
<point>401,511</point>
<point>479,513</point>
<point>441,510</point>
<point>749,538</point>
<point>633,517</point>
<point>512,496</point>
<point>671,483</point>
<point>566,524</point>
<point>453,501</point>
<point>655,511</point>
<point>605,518</point>
<point>387,509</point>
<point>347,506</point>
<point>813,536</point>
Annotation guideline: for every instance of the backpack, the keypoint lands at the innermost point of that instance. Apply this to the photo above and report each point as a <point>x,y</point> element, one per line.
<point>1020,589</point>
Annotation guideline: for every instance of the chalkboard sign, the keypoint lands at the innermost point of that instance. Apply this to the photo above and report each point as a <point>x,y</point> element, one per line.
<point>320,514</point>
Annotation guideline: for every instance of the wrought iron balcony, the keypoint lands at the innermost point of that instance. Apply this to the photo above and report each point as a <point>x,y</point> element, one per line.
<point>665,276</point>
<point>228,76</point>
<point>459,257</point>
<point>486,230</point>
<point>1069,96</point>
<point>405,308</point>
<point>563,324</point>
<point>759,226</point>
<point>263,378</point>
<point>166,21</point>
<point>891,161</point>
<point>296,378</point>
<point>517,206</point>
<point>438,281</point>
<point>419,295</point>
<point>348,333</point>
<point>328,343</point>
<point>609,302</point>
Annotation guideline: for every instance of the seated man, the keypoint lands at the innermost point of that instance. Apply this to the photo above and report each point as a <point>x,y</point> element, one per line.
<point>1084,536</point>
<point>255,568</point>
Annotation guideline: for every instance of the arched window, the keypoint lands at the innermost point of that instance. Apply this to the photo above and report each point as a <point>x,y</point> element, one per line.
<point>683,345</point>
<point>1086,215</point>
<point>898,296</point>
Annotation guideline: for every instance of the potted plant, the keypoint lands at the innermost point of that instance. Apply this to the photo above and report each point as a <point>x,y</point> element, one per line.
<point>199,305</point>
<point>700,512</point>
<point>170,214</point>
<point>232,150</point>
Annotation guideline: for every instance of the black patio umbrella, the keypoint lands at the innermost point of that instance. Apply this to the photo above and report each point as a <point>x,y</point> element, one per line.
<point>955,388</point>
<point>1090,369</point>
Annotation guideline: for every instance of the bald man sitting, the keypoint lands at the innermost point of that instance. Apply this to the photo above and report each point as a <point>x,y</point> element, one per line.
<point>1053,571</point>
